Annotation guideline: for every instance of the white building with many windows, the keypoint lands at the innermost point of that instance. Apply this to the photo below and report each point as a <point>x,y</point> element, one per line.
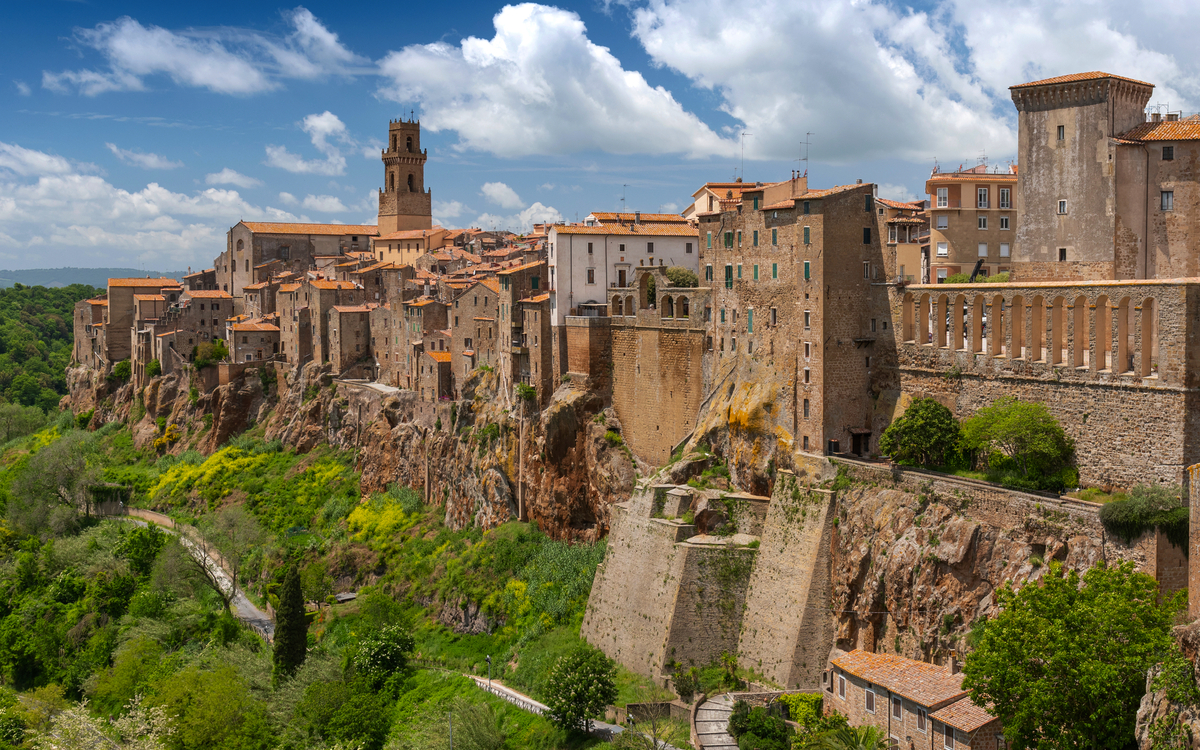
<point>587,259</point>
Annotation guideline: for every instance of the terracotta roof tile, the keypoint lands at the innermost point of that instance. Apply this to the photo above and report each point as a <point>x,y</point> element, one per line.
<point>963,715</point>
<point>149,298</point>
<point>523,267</point>
<point>208,294</point>
<point>255,325</point>
<point>538,298</point>
<point>913,206</point>
<point>269,227</point>
<point>98,302</point>
<point>353,308</point>
<point>325,284</point>
<point>1166,130</point>
<point>1095,75</point>
<point>610,216</point>
<point>409,234</point>
<point>256,287</point>
<point>288,288</point>
<point>440,356</point>
<point>147,283</point>
<point>927,684</point>
<point>641,230</point>
<point>789,203</point>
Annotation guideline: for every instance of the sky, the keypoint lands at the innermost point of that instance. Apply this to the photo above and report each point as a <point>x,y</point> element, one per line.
<point>136,133</point>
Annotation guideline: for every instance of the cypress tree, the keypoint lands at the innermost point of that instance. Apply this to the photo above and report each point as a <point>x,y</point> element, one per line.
<point>291,626</point>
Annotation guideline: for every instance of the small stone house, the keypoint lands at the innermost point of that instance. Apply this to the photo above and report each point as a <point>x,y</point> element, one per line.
<point>919,706</point>
<point>434,376</point>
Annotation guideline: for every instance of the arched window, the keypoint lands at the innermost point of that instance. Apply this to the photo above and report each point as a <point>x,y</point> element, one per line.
<point>908,317</point>
<point>941,321</point>
<point>684,309</point>
<point>668,307</point>
<point>1146,367</point>
<point>411,189</point>
<point>959,319</point>
<point>617,304</point>
<point>241,244</point>
<point>1103,328</point>
<point>409,144</point>
<point>1018,328</point>
<point>1125,332</point>
<point>630,308</point>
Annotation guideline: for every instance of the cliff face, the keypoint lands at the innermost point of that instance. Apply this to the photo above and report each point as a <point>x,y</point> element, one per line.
<point>485,460</point>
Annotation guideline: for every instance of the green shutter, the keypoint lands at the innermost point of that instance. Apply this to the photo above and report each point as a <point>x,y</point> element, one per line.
<point>739,270</point>
<point>756,272</point>
<point>806,276</point>
<point>729,239</point>
<point>774,236</point>
<point>710,240</point>
<point>806,237</point>
<point>728,276</point>
<point>756,204</point>
<point>750,321</point>
<point>756,238</point>
<point>722,315</point>
<point>774,270</point>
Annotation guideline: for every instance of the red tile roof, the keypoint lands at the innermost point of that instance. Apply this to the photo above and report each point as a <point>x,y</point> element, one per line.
<point>524,267</point>
<point>97,302</point>
<point>1095,75</point>
<point>270,227</point>
<point>644,229</point>
<point>288,288</point>
<point>147,283</point>
<point>255,325</point>
<point>409,234</point>
<point>256,287</point>
<point>324,284</point>
<point>440,356</point>
<point>927,684</point>
<point>149,298</point>
<point>1166,130</point>
<point>628,217</point>
<point>208,294</point>
<point>913,206</point>
<point>963,715</point>
<point>353,308</point>
<point>538,298</point>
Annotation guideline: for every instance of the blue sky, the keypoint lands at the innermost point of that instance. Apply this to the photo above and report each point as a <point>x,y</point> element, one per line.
<point>137,133</point>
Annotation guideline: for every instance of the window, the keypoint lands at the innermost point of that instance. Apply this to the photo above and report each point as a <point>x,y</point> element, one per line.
<point>1003,249</point>
<point>774,316</point>
<point>739,270</point>
<point>806,409</point>
<point>983,222</point>
<point>729,239</point>
<point>866,270</point>
<point>806,271</point>
<point>688,248</point>
<point>774,270</point>
<point>941,275</point>
<point>591,276</point>
<point>981,198</point>
<point>866,235</point>
<point>807,207</point>
<point>869,696</point>
<point>868,203</point>
<point>756,272</point>
<point>868,363</point>
<point>1167,201</point>
<point>983,253</point>
<point>750,321</point>
<point>891,235</point>
<point>943,197</point>
<point>1005,198</point>
<point>1062,254</point>
<point>873,325</point>
<point>756,206</point>
<point>1003,223</point>
<point>949,734</point>
<point>708,272</point>
<point>728,276</point>
<point>589,248</point>
<point>1062,207</point>
<point>1062,133</point>
<point>921,720</point>
<point>943,249</point>
<point>533,282</point>
<point>774,236</point>
<point>709,240</point>
<point>806,448</point>
<point>807,349</point>
<point>756,231</point>
<point>808,318</point>
<point>1168,153</point>
<point>897,708</point>
<point>943,222</point>
<point>650,248</point>
<point>739,238</point>
<point>807,375</point>
<point>806,236</point>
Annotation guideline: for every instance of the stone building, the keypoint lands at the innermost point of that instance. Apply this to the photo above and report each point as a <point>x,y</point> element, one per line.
<point>706,198</point>
<point>295,247</point>
<point>800,298</point>
<point>295,325</point>
<point>972,218</point>
<point>404,247</point>
<point>349,336</point>
<point>420,318</point>
<point>90,346</point>
<point>915,705</point>
<point>516,284</point>
<point>320,296</point>
<point>475,333</point>
<point>434,378</point>
<point>120,318</point>
<point>905,227</point>
<point>404,203</point>
<point>253,340</point>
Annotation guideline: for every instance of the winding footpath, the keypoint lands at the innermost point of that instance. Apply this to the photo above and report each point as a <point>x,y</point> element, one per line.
<point>243,609</point>
<point>712,723</point>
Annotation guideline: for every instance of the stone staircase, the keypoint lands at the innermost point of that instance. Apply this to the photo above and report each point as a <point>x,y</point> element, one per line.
<point>712,723</point>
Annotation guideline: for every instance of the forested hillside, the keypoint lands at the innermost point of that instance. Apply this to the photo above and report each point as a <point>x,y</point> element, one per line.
<point>35,342</point>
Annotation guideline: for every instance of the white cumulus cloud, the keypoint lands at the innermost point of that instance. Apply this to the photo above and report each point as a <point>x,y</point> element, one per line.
<point>898,193</point>
<point>224,60</point>
<point>325,203</point>
<point>448,209</point>
<point>228,176</point>
<point>22,88</point>
<point>27,162</point>
<point>521,221</point>
<point>288,199</point>
<point>541,86</point>
<point>325,130</point>
<point>143,160</point>
<point>501,195</point>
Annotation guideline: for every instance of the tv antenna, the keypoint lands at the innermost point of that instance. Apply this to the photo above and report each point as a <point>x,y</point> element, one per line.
<point>744,134</point>
<point>807,143</point>
<point>623,189</point>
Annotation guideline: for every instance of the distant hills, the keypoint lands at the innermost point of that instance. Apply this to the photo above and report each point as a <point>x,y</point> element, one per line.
<point>60,277</point>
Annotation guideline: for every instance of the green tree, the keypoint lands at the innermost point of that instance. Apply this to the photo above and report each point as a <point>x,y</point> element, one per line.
<point>153,368</point>
<point>682,277</point>
<point>121,371</point>
<point>848,738</point>
<point>382,653</point>
<point>213,710</point>
<point>926,434</point>
<point>1023,431</point>
<point>16,420</point>
<point>579,686</point>
<point>291,626</point>
<point>1064,665</point>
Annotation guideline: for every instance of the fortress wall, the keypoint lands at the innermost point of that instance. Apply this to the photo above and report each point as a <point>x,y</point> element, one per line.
<point>788,630</point>
<point>711,602</point>
<point>633,599</point>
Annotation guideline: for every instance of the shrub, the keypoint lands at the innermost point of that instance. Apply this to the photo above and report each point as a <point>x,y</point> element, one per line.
<point>121,371</point>
<point>925,434</point>
<point>153,368</point>
<point>759,729</point>
<point>579,686</point>
<point>686,683</point>
<point>682,277</point>
<point>526,391</point>
<point>1024,433</point>
<point>958,278</point>
<point>613,438</point>
<point>84,418</point>
<point>1148,507</point>
<point>208,353</point>
<point>383,652</point>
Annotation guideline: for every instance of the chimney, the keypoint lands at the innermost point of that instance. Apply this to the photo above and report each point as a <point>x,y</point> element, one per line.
<point>1155,117</point>
<point>637,217</point>
<point>953,665</point>
<point>858,182</point>
<point>1172,116</point>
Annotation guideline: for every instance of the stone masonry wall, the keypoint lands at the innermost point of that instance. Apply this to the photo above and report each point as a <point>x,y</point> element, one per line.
<point>711,603</point>
<point>787,630</point>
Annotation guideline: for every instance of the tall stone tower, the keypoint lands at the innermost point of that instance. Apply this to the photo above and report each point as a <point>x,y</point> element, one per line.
<point>404,203</point>
<point>1067,188</point>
